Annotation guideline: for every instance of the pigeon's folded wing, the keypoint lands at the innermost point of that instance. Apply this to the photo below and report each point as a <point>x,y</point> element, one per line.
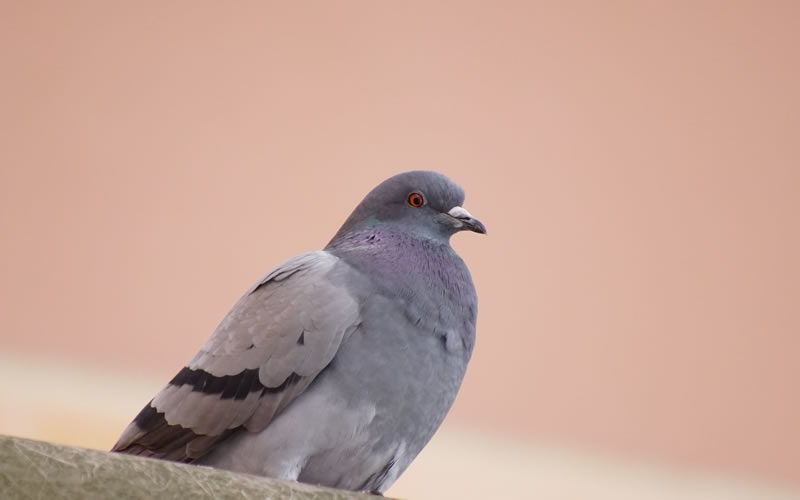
<point>266,352</point>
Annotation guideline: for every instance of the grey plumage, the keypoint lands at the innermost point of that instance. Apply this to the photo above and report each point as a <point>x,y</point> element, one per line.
<point>338,366</point>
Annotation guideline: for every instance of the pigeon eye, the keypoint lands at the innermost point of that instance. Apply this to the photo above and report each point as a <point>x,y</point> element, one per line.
<point>416,200</point>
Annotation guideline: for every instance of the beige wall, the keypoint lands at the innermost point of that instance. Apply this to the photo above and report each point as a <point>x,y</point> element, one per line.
<point>637,165</point>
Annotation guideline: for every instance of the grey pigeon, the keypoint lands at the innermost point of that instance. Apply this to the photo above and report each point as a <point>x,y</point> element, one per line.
<point>338,366</point>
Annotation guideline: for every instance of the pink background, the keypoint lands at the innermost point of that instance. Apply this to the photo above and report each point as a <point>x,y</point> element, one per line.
<point>637,165</point>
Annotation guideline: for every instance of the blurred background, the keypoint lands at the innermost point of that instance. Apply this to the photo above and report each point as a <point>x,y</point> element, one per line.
<point>637,165</point>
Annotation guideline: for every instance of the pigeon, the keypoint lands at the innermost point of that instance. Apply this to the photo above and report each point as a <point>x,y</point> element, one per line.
<point>338,366</point>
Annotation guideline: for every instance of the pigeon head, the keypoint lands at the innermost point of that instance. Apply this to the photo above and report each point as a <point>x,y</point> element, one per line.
<point>422,203</point>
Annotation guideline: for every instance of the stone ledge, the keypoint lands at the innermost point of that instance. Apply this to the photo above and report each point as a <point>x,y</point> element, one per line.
<point>38,470</point>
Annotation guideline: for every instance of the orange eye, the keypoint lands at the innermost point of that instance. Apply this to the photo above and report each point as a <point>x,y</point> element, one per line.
<point>416,200</point>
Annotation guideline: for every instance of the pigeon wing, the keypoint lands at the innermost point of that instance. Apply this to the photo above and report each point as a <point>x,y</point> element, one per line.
<point>272,344</point>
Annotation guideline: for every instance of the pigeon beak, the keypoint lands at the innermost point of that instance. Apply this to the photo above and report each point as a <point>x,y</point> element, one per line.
<point>465,220</point>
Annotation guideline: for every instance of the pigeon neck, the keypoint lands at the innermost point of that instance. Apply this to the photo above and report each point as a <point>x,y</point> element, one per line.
<point>378,239</point>
<point>399,256</point>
